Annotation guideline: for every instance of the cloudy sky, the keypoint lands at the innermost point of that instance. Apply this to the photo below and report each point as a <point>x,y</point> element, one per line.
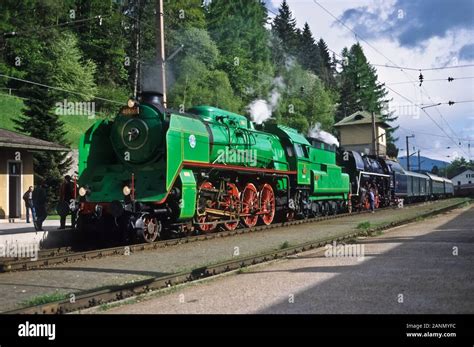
<point>417,34</point>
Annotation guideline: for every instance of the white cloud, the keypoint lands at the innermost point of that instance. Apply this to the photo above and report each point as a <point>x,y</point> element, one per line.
<point>434,52</point>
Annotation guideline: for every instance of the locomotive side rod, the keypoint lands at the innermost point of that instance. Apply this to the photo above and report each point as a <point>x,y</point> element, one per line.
<point>69,256</point>
<point>95,298</point>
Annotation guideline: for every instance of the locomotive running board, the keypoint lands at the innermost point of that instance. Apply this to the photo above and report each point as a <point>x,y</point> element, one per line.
<point>369,174</point>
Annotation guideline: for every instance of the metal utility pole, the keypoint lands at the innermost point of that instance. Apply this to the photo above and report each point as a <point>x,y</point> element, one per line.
<point>469,150</point>
<point>419,162</point>
<point>137,52</point>
<point>408,152</point>
<point>373,135</point>
<point>160,45</point>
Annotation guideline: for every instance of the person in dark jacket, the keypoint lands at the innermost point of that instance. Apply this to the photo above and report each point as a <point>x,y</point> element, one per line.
<point>372,199</point>
<point>65,195</point>
<point>28,199</point>
<point>40,205</point>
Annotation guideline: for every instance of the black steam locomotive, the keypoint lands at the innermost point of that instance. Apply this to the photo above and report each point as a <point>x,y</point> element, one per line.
<point>391,183</point>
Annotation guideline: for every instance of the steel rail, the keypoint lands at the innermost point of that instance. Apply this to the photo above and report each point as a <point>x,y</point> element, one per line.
<point>94,298</point>
<point>65,255</point>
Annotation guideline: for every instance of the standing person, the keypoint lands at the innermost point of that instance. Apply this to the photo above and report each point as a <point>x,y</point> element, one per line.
<point>363,196</point>
<point>65,195</point>
<point>39,203</point>
<point>28,199</point>
<point>372,199</point>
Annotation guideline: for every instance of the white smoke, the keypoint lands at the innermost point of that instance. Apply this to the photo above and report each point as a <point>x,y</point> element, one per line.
<point>261,110</point>
<point>316,133</point>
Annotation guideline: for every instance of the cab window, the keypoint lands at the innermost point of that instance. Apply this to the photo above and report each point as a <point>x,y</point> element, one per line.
<point>301,151</point>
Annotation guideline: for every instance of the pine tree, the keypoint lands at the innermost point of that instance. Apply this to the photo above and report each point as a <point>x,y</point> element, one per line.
<point>309,56</point>
<point>57,62</point>
<point>238,28</point>
<point>284,25</point>
<point>360,90</point>
<point>328,70</point>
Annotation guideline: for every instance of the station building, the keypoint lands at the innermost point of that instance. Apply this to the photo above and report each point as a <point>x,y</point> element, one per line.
<point>16,170</point>
<point>360,132</point>
<point>464,183</point>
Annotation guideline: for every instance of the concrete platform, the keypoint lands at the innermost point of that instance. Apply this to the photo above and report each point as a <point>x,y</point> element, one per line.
<point>422,268</point>
<point>76,277</point>
<point>21,232</point>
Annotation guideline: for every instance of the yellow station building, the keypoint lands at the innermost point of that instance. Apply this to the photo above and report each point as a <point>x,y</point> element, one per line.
<point>16,170</point>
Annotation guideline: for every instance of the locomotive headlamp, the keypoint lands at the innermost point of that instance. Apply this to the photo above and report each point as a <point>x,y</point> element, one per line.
<point>82,191</point>
<point>130,103</point>
<point>126,190</point>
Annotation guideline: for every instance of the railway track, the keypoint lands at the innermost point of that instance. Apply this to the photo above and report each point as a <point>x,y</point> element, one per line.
<point>94,298</point>
<point>56,256</point>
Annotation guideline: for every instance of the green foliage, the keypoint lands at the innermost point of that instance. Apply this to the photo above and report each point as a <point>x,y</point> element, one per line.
<point>305,100</point>
<point>103,41</point>
<point>239,32</point>
<point>197,85</point>
<point>308,51</point>
<point>457,166</point>
<point>327,69</point>
<point>284,26</point>
<point>359,89</point>
<point>44,299</point>
<point>229,59</point>
<point>199,45</point>
<point>69,72</point>
<point>364,225</point>
<point>12,109</point>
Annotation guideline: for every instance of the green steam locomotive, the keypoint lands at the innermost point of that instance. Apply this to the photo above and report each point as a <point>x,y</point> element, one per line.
<point>151,171</point>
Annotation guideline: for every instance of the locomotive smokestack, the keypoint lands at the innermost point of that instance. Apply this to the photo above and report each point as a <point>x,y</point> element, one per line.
<point>151,97</point>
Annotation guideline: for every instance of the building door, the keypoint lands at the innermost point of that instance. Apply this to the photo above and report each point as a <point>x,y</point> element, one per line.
<point>14,189</point>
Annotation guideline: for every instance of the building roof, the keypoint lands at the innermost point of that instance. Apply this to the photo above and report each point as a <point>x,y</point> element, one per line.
<point>462,173</point>
<point>361,117</point>
<point>11,139</point>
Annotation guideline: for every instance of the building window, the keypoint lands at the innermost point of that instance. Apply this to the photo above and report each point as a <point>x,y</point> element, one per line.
<point>459,183</point>
<point>15,169</point>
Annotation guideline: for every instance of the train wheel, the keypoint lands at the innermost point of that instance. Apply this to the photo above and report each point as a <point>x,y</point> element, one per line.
<point>231,203</point>
<point>151,229</point>
<point>250,205</point>
<point>267,204</point>
<point>290,215</point>
<point>367,204</point>
<point>203,220</point>
<point>377,201</point>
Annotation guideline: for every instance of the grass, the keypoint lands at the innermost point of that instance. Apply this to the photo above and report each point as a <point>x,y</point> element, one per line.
<point>11,109</point>
<point>44,299</point>
<point>364,225</point>
<point>285,245</point>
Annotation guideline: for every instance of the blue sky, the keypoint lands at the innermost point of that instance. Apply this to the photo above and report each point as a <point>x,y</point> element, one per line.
<point>409,33</point>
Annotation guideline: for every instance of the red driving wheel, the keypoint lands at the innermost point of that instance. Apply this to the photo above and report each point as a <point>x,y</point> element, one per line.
<point>267,204</point>
<point>250,205</point>
<point>231,203</point>
<point>204,218</point>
